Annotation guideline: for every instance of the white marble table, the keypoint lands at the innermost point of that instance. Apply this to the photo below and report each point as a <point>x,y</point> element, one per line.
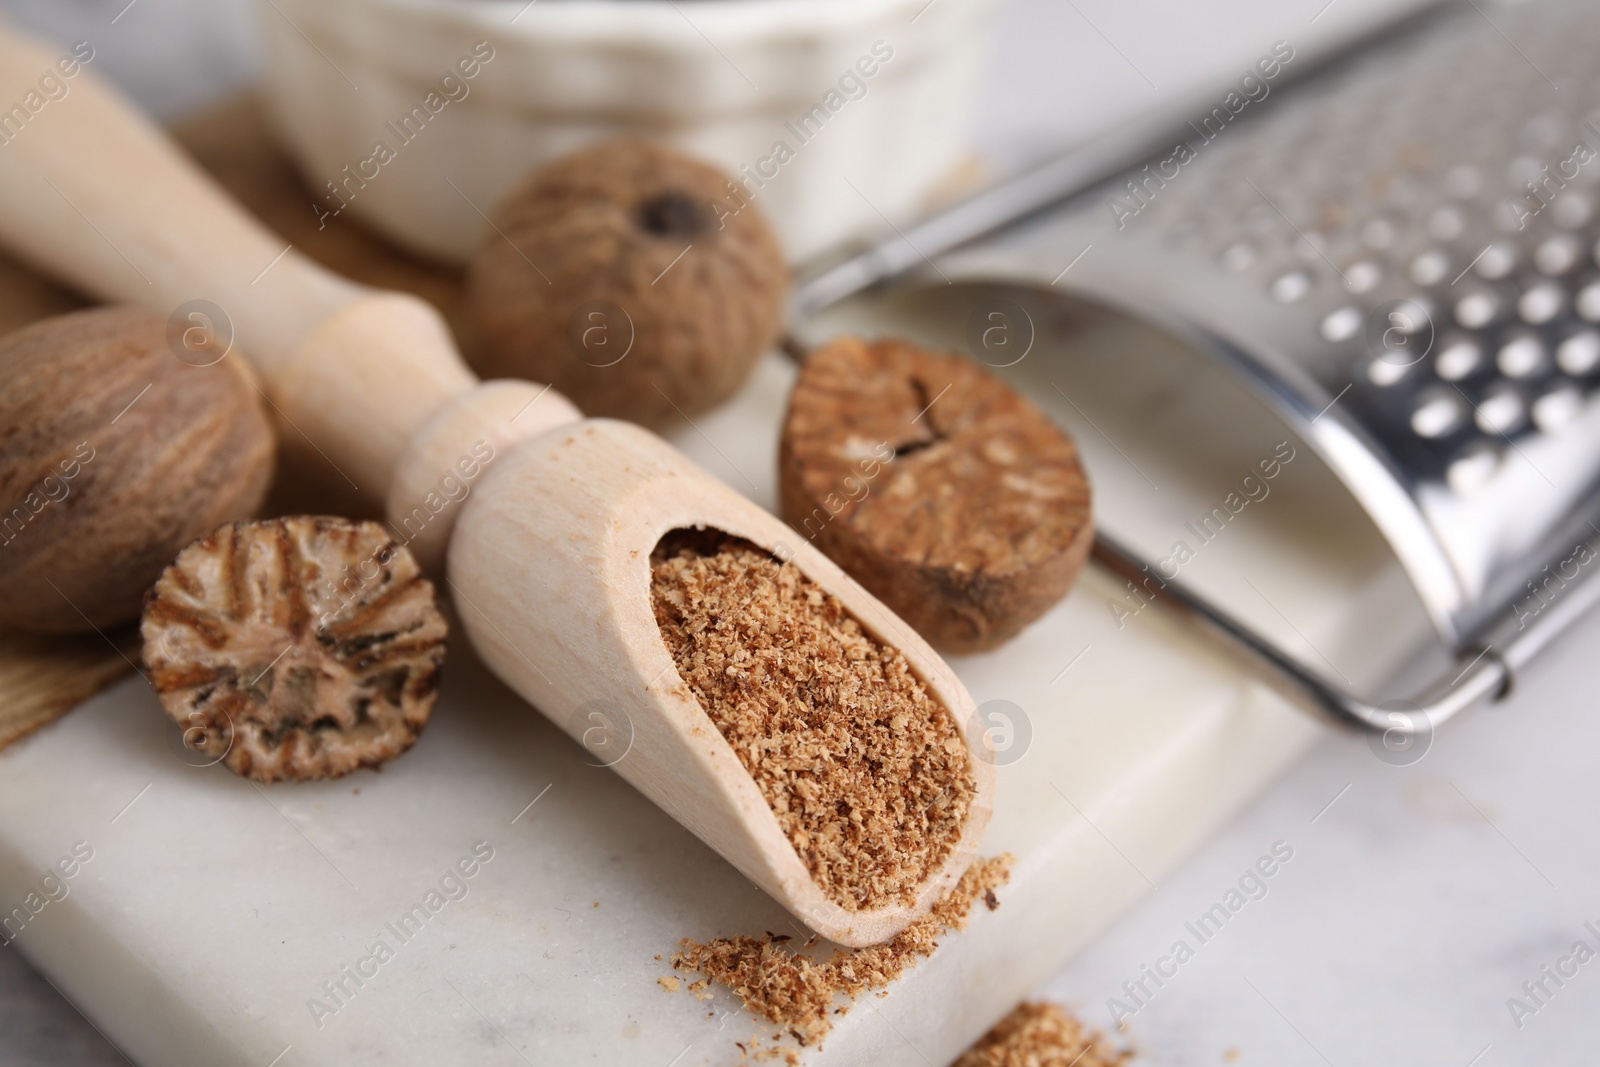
<point>1418,900</point>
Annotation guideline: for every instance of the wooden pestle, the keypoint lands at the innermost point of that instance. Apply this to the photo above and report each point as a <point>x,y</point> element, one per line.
<point>549,554</point>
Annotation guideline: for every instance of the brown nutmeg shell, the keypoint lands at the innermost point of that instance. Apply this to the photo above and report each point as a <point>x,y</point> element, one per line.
<point>114,454</point>
<point>945,493</point>
<point>631,278</point>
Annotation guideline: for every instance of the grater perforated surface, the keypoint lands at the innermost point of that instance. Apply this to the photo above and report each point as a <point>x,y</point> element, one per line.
<point>1401,252</point>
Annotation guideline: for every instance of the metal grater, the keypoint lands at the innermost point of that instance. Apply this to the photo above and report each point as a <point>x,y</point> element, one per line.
<point>1399,253</point>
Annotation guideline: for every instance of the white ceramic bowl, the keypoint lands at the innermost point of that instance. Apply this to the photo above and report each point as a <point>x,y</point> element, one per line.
<point>724,79</point>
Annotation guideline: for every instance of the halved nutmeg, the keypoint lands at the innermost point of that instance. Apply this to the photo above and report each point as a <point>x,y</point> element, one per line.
<point>295,648</point>
<point>947,494</point>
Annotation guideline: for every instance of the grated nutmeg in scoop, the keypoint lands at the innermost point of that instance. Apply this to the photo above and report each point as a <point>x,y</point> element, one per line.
<point>295,648</point>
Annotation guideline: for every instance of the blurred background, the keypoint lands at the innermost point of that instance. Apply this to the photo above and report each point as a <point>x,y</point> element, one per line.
<point>1421,897</point>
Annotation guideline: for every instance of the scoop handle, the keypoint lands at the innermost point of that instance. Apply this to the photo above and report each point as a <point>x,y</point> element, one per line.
<point>93,192</point>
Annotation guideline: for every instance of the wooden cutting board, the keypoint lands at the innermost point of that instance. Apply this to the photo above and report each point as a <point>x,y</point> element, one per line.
<point>42,678</point>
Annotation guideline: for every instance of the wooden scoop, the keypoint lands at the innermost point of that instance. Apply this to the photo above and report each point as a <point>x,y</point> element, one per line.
<point>550,555</point>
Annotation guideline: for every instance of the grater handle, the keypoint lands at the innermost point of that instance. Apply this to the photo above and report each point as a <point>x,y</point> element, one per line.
<point>1485,673</point>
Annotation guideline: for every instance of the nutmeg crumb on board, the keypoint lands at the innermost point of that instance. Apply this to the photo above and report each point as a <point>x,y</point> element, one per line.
<point>1042,1035</point>
<point>759,1053</point>
<point>866,772</point>
<point>801,992</point>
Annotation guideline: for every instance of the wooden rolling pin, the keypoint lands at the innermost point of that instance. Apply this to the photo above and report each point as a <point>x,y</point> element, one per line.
<point>550,553</point>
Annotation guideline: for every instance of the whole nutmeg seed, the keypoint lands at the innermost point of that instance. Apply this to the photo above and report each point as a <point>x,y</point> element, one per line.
<point>114,454</point>
<point>637,281</point>
<point>952,498</point>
